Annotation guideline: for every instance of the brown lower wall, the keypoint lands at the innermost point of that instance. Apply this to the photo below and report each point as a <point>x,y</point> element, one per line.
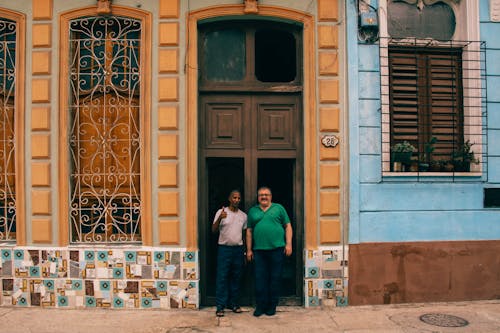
<point>383,273</point>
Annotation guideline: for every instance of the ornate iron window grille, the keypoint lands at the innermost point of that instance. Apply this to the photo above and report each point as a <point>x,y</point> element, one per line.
<point>433,96</point>
<point>8,36</point>
<point>105,133</point>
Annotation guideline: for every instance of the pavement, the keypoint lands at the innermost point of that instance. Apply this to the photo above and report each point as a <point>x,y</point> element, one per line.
<point>456,317</point>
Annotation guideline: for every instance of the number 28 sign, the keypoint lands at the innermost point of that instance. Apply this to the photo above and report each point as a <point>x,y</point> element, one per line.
<point>329,141</point>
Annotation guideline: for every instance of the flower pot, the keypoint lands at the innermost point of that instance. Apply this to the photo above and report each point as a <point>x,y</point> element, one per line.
<point>448,167</point>
<point>461,166</point>
<point>397,167</point>
<point>435,167</point>
<point>423,167</point>
<point>403,157</point>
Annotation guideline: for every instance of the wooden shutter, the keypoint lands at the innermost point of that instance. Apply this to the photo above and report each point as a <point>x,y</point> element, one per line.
<point>404,94</point>
<point>445,99</point>
<point>426,98</point>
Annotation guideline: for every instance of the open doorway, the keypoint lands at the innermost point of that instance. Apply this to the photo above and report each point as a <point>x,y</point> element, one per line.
<point>250,135</point>
<point>225,174</point>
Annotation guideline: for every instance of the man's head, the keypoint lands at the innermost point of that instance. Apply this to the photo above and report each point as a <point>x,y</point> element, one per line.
<point>264,196</point>
<point>234,199</point>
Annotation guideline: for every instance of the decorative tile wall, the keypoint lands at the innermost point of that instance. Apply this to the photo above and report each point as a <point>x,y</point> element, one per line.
<point>325,277</point>
<point>137,278</point>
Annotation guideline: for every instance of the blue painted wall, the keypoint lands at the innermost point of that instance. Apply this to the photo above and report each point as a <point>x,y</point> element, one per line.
<point>404,209</point>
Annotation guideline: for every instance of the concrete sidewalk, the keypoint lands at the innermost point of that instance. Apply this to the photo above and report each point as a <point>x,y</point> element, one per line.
<point>482,317</point>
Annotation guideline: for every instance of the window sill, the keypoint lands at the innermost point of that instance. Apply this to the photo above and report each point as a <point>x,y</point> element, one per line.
<point>431,174</point>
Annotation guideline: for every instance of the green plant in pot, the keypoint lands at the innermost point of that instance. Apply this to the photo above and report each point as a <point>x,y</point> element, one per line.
<point>463,157</point>
<point>426,159</point>
<point>401,154</point>
<point>448,166</point>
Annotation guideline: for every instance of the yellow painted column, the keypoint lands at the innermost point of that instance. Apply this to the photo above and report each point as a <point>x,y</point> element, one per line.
<point>168,124</point>
<point>329,124</point>
<point>41,71</point>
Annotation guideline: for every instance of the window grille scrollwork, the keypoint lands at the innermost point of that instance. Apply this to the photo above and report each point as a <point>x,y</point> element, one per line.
<point>8,37</point>
<point>105,140</point>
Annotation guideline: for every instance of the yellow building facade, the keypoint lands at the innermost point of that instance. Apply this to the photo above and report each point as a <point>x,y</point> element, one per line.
<point>119,133</point>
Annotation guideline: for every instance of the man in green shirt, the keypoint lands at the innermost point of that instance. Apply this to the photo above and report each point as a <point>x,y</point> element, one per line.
<point>268,239</point>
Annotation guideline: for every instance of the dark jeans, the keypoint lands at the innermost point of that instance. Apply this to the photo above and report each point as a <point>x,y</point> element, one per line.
<point>268,269</point>
<point>230,261</point>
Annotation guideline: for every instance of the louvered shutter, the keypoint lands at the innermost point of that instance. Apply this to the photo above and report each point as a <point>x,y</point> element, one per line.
<point>404,91</point>
<point>426,98</point>
<point>445,110</point>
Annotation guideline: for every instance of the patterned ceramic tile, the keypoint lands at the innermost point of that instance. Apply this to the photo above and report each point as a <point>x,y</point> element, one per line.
<point>161,286</point>
<point>102,256</point>
<point>118,273</point>
<point>22,300</point>
<point>34,271</point>
<point>312,272</point>
<point>118,302</point>
<point>62,301</point>
<point>77,285</point>
<point>18,255</point>
<point>341,301</point>
<point>327,284</point>
<point>90,301</point>
<point>190,257</point>
<point>89,256</point>
<point>130,256</point>
<point>49,285</point>
<point>313,301</point>
<point>104,285</point>
<point>325,277</point>
<point>113,278</point>
<point>159,256</point>
<point>146,302</point>
<point>6,255</point>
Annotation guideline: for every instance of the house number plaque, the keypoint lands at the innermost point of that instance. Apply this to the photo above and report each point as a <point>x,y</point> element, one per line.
<point>329,141</point>
<point>495,10</point>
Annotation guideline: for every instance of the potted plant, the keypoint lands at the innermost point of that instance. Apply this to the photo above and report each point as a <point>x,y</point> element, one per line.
<point>426,159</point>
<point>463,157</point>
<point>448,166</point>
<point>401,154</point>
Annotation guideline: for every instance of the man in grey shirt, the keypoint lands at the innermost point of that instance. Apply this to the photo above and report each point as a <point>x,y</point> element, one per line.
<point>231,223</point>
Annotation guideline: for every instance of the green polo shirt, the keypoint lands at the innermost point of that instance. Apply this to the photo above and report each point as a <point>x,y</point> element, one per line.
<point>268,228</point>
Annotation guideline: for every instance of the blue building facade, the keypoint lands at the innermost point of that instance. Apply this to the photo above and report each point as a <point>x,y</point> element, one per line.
<point>418,235</point>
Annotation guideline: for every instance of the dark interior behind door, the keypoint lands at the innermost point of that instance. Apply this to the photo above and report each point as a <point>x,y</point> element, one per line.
<point>279,175</point>
<point>223,175</point>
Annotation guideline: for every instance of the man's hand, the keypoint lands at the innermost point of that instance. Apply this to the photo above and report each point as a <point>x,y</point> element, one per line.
<point>288,239</point>
<point>223,214</point>
<point>249,245</point>
<point>249,255</point>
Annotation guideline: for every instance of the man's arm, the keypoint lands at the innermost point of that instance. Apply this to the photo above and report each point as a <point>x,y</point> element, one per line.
<point>216,223</point>
<point>288,239</point>
<point>249,244</point>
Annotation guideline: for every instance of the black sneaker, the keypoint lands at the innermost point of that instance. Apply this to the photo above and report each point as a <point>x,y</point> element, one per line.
<point>258,312</point>
<point>219,312</point>
<point>271,311</point>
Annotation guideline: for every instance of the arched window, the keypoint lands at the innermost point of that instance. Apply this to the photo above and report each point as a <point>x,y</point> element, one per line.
<point>105,129</point>
<point>8,38</point>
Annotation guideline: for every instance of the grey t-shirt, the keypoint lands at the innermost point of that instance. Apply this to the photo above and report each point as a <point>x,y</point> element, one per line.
<point>231,228</point>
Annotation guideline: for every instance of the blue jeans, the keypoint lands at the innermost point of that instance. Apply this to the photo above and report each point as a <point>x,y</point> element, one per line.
<point>268,269</point>
<point>230,262</point>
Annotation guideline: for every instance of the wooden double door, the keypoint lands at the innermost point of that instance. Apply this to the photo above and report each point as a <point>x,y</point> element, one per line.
<point>247,141</point>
